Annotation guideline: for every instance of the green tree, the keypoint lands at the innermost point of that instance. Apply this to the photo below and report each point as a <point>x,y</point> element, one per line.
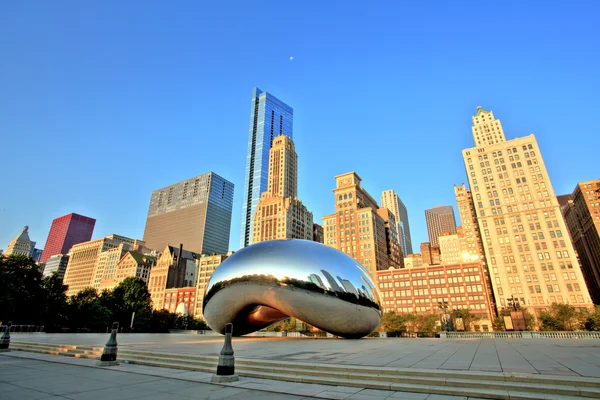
<point>593,321</point>
<point>131,295</point>
<point>562,317</point>
<point>426,323</point>
<point>56,310</point>
<point>86,312</point>
<point>21,291</point>
<point>392,322</point>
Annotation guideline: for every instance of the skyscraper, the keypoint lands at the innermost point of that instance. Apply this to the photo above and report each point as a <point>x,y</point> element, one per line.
<point>83,261</point>
<point>468,220</point>
<point>66,231</point>
<point>391,201</point>
<point>357,228</point>
<point>195,212</point>
<point>582,215</point>
<point>524,238</point>
<point>279,214</point>
<point>439,219</point>
<point>269,117</point>
<point>21,245</point>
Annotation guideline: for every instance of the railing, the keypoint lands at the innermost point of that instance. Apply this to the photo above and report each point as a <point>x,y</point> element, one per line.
<point>24,328</point>
<point>522,335</point>
<point>566,335</point>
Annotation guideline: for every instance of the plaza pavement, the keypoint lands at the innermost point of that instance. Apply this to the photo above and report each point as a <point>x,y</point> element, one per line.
<point>32,376</point>
<point>569,357</point>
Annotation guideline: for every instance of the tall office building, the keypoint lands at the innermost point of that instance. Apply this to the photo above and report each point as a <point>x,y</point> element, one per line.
<point>439,219</point>
<point>66,231</point>
<point>83,261</point>
<point>582,215</point>
<point>356,228</point>
<point>279,214</point>
<point>206,266</point>
<point>56,264</point>
<point>468,219</point>
<point>391,201</point>
<point>529,255</point>
<point>269,117</point>
<point>21,244</point>
<point>195,212</point>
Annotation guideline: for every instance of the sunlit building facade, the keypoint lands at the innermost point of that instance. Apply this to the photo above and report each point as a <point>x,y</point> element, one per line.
<point>524,238</point>
<point>279,213</point>
<point>391,201</point>
<point>195,212</point>
<point>439,220</point>
<point>269,117</point>
<point>65,232</point>
<point>582,215</point>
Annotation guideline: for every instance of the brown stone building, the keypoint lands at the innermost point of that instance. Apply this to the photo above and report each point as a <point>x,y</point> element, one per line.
<point>83,261</point>
<point>172,271</point>
<point>279,213</point>
<point>423,289</point>
<point>582,215</point>
<point>356,228</point>
<point>318,234</point>
<point>430,254</point>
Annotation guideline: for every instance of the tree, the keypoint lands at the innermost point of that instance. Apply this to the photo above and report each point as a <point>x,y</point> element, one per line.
<point>392,322</point>
<point>426,323</point>
<point>21,291</point>
<point>56,307</point>
<point>87,312</point>
<point>562,317</point>
<point>468,318</point>
<point>131,295</point>
<point>593,321</point>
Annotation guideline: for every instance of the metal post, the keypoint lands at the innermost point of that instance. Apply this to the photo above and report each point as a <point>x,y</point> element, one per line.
<point>226,366</point>
<point>109,355</point>
<point>5,339</point>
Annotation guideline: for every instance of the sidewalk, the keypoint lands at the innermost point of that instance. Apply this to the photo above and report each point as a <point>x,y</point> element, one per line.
<point>25,376</point>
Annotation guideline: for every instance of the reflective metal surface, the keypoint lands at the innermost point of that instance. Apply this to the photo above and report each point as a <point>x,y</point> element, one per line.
<point>269,281</point>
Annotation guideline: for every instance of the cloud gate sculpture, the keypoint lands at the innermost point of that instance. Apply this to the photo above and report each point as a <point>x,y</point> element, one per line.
<point>270,281</point>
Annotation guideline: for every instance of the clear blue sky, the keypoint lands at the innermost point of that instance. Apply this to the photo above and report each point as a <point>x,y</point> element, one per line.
<point>103,102</point>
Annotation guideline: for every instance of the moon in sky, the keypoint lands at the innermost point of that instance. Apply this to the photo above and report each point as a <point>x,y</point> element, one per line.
<point>291,58</point>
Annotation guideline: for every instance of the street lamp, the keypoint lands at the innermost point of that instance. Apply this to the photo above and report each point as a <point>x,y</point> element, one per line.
<point>513,302</point>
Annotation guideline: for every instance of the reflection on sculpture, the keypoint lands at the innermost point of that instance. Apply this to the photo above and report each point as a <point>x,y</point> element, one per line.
<point>269,281</point>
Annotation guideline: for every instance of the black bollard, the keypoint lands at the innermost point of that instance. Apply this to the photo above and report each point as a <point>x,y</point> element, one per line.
<point>5,339</point>
<point>226,366</point>
<point>109,355</point>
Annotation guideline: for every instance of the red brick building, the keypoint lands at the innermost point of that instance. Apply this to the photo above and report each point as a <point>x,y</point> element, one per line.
<point>422,289</point>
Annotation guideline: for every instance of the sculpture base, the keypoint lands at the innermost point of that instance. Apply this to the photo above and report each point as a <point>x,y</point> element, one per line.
<point>224,378</point>
<point>106,363</point>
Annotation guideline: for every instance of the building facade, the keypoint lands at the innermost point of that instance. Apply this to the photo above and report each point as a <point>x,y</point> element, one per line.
<point>356,228</point>
<point>21,245</point>
<point>582,216</point>
<point>56,264</point>
<point>181,300</point>
<point>195,212</point>
<point>524,238</point>
<point>392,238</point>
<point>468,218</point>
<point>269,117</point>
<point>206,266</point>
<point>279,213</point>
<point>439,219</point>
<point>391,201</point>
<point>83,261</point>
<point>430,254</point>
<point>172,271</point>
<point>318,234</point>
<point>423,289</point>
<point>65,232</point>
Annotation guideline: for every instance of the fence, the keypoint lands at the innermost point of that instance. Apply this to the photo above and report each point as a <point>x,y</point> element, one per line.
<point>24,328</point>
<point>522,335</point>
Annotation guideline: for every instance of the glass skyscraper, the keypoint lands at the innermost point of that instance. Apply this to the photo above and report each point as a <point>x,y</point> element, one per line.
<point>269,117</point>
